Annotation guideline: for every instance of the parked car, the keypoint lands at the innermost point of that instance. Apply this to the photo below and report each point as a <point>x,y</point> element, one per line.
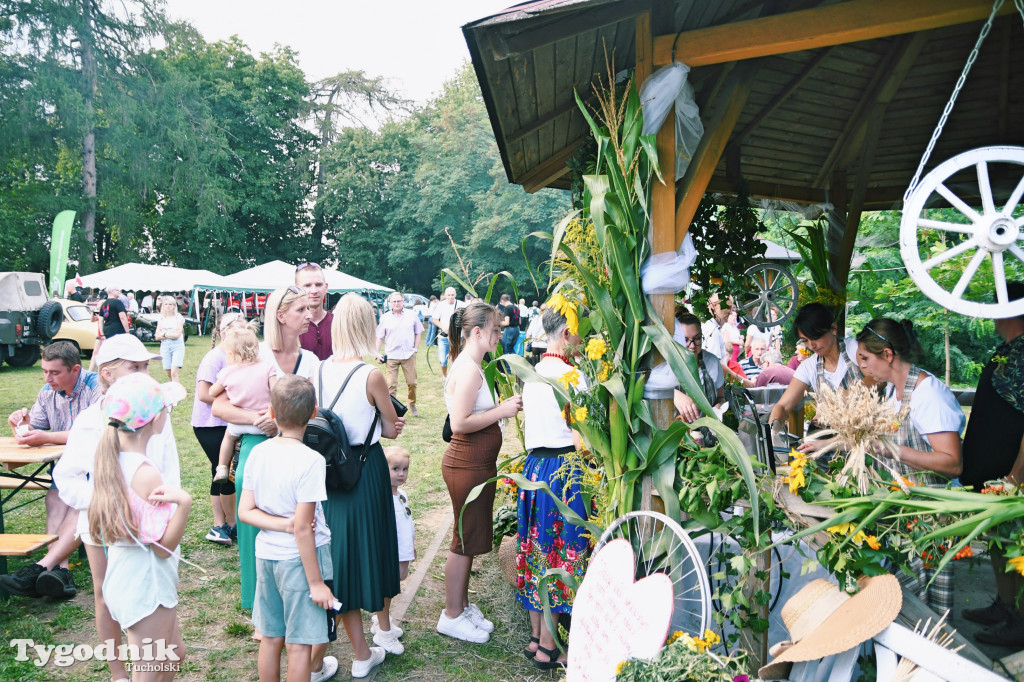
<point>28,318</point>
<point>144,326</point>
<point>79,327</point>
<point>411,301</point>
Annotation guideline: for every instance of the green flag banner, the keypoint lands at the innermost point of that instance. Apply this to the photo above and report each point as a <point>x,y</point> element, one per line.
<point>59,245</point>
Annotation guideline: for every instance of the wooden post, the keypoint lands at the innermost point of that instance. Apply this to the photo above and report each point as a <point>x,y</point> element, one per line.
<point>663,216</point>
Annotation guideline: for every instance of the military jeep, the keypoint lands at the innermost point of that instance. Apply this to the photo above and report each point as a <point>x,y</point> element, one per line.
<point>28,318</point>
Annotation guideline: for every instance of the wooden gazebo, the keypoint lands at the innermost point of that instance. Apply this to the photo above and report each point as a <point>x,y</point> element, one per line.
<point>807,100</point>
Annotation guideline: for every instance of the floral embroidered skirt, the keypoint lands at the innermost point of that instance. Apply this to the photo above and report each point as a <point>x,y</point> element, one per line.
<point>546,540</point>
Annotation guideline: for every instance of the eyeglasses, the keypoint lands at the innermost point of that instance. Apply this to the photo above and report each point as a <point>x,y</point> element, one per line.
<point>884,340</point>
<point>693,341</point>
<point>303,266</point>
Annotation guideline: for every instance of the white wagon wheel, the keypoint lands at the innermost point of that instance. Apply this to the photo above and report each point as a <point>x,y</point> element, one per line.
<point>991,233</point>
<point>660,545</point>
<point>770,296</point>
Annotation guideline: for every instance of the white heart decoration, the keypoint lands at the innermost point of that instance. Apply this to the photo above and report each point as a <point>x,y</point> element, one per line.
<point>615,618</point>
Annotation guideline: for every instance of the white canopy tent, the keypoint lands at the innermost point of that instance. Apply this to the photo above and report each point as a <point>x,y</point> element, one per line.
<point>269,276</point>
<point>143,277</point>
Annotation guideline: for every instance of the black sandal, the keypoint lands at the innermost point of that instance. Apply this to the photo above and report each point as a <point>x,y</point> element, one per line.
<point>551,664</point>
<point>530,653</point>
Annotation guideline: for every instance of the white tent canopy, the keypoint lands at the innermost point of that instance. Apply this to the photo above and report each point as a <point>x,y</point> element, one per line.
<point>143,277</point>
<point>270,276</point>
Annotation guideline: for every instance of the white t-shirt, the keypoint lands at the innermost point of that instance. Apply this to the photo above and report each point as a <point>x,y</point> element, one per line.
<point>933,407</point>
<point>807,371</point>
<point>281,473</point>
<point>535,332</point>
<point>75,469</point>
<point>170,324</point>
<point>307,362</point>
<point>443,313</point>
<point>406,527</point>
<point>544,424</point>
<point>714,341</point>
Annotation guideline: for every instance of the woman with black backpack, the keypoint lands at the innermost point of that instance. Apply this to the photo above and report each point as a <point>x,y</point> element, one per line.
<point>364,542</point>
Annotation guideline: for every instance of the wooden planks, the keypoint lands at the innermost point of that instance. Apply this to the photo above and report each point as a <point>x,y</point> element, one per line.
<point>23,544</point>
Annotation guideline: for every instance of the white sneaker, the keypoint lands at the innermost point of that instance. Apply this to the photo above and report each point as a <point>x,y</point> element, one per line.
<point>389,642</point>
<point>328,670</point>
<point>462,628</point>
<point>477,616</point>
<point>375,628</point>
<point>363,668</point>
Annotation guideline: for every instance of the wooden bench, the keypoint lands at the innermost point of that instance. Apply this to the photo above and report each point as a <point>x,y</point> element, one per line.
<point>11,483</point>
<point>23,544</point>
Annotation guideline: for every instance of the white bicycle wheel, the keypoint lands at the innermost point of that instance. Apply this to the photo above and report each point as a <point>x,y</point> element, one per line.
<point>771,295</point>
<point>992,234</point>
<point>660,545</point>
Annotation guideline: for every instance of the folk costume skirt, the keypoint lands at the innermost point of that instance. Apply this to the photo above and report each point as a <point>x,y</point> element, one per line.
<point>471,459</point>
<point>246,533</point>
<point>364,541</point>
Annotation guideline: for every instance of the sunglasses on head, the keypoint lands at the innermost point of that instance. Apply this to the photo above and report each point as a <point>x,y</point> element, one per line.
<point>303,266</point>
<point>296,290</point>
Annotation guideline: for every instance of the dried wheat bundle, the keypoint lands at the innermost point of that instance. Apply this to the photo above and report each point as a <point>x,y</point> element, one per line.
<point>857,423</point>
<point>906,668</point>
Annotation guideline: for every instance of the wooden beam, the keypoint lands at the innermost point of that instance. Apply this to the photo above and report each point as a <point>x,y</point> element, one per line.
<point>885,82</point>
<point>838,24</point>
<point>718,129</point>
<point>554,167</point>
<point>840,266</point>
<point>779,99</point>
<point>875,199</point>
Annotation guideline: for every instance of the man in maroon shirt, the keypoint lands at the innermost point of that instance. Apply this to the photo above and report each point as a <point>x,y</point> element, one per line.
<point>317,339</point>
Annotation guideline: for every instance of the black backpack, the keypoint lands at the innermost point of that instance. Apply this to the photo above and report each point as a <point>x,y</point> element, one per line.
<point>326,434</point>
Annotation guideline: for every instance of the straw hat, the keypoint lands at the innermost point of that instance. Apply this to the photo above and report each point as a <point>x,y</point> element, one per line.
<point>823,620</point>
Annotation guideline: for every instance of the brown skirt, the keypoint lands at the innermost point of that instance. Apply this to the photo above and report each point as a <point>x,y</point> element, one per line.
<point>471,459</point>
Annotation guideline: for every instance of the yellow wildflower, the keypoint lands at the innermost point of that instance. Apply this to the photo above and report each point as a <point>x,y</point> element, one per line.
<point>596,347</point>
<point>795,480</point>
<point>579,415</point>
<point>841,529</point>
<point>566,309</point>
<point>859,538</point>
<point>605,371</point>
<point>570,378</point>
<point>711,638</point>
<point>1016,563</point>
<point>873,542</point>
<point>619,667</point>
<point>678,634</point>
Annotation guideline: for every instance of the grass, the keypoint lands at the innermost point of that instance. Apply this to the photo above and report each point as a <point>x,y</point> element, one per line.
<point>215,629</point>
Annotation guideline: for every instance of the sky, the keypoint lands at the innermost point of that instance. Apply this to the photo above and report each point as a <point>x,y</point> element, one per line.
<point>416,44</point>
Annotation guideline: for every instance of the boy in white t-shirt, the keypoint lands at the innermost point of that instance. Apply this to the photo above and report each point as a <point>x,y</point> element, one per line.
<point>282,493</point>
<point>398,467</point>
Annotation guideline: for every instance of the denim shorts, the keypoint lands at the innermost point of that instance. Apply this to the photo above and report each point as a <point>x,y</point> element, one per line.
<point>173,352</point>
<point>442,350</point>
<point>283,607</point>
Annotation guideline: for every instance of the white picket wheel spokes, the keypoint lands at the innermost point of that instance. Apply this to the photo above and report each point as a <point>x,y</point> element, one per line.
<point>992,233</point>
<point>771,294</point>
<point>660,545</point>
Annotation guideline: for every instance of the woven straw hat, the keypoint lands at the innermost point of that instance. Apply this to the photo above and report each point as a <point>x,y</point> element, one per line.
<point>823,620</point>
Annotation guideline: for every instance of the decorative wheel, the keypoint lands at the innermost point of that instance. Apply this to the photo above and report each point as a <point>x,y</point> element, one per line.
<point>771,294</point>
<point>976,244</point>
<point>660,545</point>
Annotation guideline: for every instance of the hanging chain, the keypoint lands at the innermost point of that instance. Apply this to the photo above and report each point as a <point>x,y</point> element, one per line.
<point>956,91</point>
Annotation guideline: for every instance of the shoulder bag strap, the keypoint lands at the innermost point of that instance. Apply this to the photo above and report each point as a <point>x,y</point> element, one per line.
<point>340,390</point>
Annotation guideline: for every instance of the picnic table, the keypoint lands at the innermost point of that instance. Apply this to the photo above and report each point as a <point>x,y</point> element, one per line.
<point>21,468</point>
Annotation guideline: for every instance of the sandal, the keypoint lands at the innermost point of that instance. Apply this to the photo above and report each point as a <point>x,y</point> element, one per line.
<point>550,664</point>
<point>530,653</point>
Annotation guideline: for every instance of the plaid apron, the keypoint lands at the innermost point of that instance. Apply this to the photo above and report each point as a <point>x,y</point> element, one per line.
<point>939,593</point>
<point>853,373</point>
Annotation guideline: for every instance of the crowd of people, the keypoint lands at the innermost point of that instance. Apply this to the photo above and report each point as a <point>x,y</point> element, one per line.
<point>305,548</point>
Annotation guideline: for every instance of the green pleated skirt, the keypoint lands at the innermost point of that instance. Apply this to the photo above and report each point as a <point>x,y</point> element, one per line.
<point>246,533</point>
<point>364,542</point>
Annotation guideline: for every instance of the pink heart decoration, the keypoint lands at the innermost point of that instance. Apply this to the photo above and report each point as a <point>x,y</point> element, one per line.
<point>615,618</point>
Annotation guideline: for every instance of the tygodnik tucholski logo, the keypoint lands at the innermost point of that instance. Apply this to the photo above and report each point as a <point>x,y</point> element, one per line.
<point>151,655</point>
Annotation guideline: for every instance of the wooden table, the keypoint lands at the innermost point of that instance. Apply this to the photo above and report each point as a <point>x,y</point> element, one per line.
<point>12,458</point>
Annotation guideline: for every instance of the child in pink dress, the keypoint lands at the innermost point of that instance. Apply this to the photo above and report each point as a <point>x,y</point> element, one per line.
<point>247,380</point>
